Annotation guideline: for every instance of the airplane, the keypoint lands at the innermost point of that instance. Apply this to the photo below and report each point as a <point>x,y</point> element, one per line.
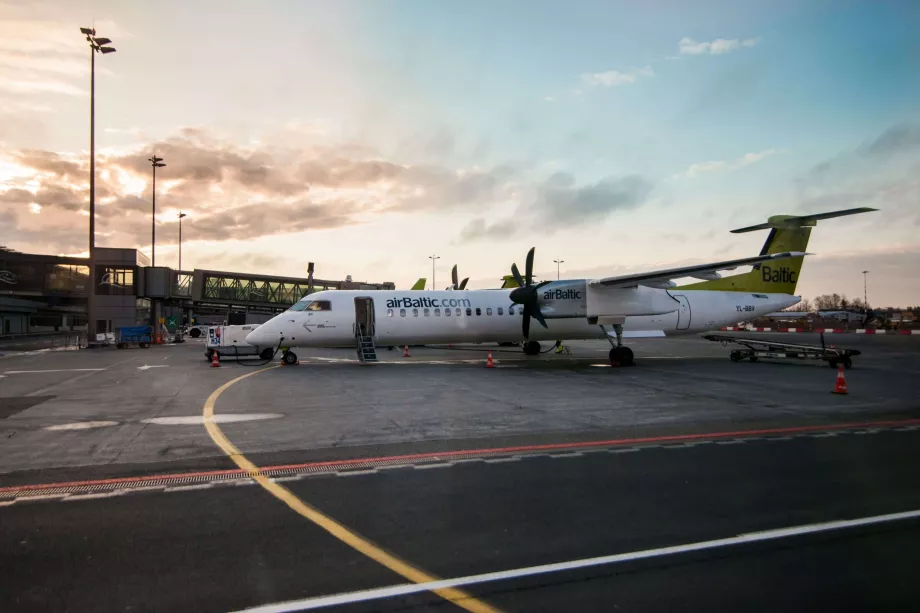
<point>419,285</point>
<point>456,286</point>
<point>638,305</point>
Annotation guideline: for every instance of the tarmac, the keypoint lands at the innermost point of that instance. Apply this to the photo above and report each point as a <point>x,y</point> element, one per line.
<point>145,479</point>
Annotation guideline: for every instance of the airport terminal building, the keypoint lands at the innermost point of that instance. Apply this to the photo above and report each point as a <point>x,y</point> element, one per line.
<point>46,293</point>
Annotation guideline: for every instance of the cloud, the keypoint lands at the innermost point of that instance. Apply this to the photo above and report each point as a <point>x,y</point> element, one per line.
<point>614,78</point>
<point>231,191</point>
<point>699,168</point>
<point>559,203</point>
<point>688,46</point>
<point>883,172</point>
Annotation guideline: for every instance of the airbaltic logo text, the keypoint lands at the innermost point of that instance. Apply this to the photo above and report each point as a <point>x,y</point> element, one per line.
<point>562,294</point>
<point>405,303</point>
<point>783,275</point>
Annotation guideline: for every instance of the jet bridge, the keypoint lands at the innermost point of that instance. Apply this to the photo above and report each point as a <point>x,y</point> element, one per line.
<point>263,291</point>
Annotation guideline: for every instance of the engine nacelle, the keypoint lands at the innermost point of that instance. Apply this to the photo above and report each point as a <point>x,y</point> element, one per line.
<point>605,302</point>
<point>563,299</point>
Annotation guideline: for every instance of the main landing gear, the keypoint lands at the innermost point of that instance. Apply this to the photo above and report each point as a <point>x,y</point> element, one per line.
<point>532,348</point>
<point>620,355</point>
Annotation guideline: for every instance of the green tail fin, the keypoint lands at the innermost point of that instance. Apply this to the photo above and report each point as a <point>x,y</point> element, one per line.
<point>787,233</point>
<point>509,282</point>
<point>420,284</point>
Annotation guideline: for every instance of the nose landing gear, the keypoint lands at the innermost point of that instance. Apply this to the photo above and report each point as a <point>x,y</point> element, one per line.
<point>289,358</point>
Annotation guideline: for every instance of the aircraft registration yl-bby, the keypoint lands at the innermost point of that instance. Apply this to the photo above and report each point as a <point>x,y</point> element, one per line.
<point>638,305</point>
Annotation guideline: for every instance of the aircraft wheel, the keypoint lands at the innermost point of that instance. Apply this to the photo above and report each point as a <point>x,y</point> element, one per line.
<point>194,333</point>
<point>735,356</point>
<point>532,348</point>
<point>289,358</point>
<point>832,363</point>
<point>621,356</point>
<point>847,362</point>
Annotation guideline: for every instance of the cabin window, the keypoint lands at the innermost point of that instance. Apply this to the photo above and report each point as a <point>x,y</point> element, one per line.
<point>457,312</point>
<point>389,312</point>
<point>437,312</point>
<point>469,312</point>
<point>446,312</point>
<point>489,311</point>
<point>510,310</point>
<point>500,311</point>
<point>478,311</point>
<point>414,312</point>
<point>402,312</point>
<point>427,312</point>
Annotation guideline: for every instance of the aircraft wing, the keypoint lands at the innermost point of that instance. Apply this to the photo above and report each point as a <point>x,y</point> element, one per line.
<point>663,279</point>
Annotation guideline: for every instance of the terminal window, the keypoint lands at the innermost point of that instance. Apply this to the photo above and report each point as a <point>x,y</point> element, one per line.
<point>114,281</point>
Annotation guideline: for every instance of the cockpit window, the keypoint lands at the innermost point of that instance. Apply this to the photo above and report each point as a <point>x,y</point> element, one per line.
<point>311,305</point>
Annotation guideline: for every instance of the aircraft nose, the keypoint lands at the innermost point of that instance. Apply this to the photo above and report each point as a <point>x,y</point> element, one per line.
<point>261,336</point>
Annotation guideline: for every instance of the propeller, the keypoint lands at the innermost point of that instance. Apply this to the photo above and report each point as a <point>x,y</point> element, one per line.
<point>527,295</point>
<point>453,276</point>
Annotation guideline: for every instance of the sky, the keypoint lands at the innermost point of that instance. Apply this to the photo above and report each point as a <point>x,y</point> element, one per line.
<point>367,136</point>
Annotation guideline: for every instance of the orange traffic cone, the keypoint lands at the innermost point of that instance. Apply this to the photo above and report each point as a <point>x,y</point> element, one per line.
<point>215,359</point>
<point>489,362</point>
<point>841,386</point>
<point>406,352</point>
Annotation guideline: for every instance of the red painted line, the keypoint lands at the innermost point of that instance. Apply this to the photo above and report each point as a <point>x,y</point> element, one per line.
<point>482,451</point>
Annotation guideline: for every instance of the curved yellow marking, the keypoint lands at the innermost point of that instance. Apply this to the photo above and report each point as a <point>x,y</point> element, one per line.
<point>339,531</point>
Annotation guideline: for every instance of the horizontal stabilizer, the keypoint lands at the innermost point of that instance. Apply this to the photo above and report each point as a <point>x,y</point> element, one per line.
<point>800,221</point>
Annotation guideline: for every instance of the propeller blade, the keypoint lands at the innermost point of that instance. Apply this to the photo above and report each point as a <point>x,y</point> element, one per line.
<point>464,282</point>
<point>526,322</point>
<point>539,317</point>
<point>517,275</point>
<point>453,275</point>
<point>528,267</point>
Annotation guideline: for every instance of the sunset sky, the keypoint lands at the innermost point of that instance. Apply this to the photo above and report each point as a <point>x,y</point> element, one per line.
<point>366,136</point>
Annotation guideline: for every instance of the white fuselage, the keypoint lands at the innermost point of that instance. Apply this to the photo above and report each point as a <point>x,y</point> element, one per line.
<point>416,317</point>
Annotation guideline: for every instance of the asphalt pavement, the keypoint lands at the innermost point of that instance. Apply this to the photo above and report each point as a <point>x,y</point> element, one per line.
<point>459,470</point>
<point>232,547</point>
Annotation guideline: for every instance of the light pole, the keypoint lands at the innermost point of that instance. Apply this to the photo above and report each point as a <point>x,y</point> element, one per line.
<point>433,258</point>
<point>865,299</point>
<point>181,215</point>
<point>558,262</point>
<point>155,162</point>
<point>96,45</point>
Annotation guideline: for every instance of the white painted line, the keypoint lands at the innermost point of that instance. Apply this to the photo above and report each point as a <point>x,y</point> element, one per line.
<point>189,488</point>
<point>414,588</point>
<point>148,367</point>
<point>82,425</point>
<point>35,372</point>
<point>197,420</point>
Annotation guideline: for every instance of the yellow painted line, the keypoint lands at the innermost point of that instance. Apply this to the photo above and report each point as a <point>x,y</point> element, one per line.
<point>339,531</point>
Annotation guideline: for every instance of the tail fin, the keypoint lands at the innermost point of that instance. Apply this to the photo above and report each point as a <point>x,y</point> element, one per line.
<point>420,284</point>
<point>787,233</point>
<point>508,282</point>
